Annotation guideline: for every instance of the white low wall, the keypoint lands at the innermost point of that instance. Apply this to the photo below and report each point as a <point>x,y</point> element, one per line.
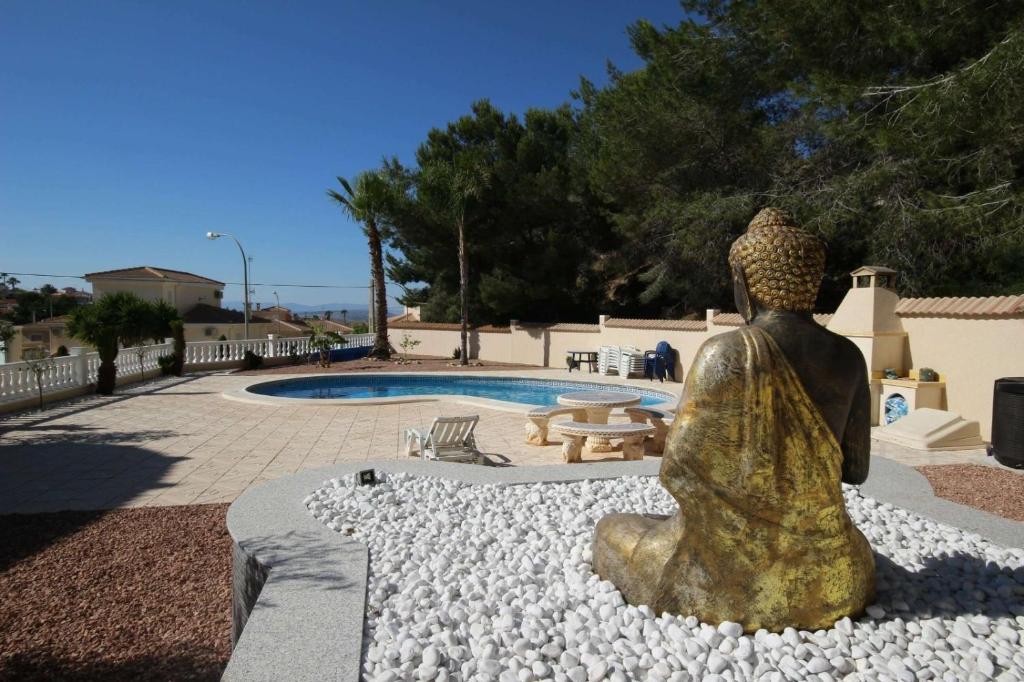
<point>970,354</point>
<point>547,345</point>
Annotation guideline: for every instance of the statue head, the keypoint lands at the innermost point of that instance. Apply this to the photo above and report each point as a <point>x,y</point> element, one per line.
<point>776,265</point>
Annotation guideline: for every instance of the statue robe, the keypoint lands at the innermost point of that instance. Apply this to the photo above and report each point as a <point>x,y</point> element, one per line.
<point>762,536</point>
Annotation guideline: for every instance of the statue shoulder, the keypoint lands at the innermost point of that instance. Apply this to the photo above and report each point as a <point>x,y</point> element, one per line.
<point>729,349</point>
<point>720,362</point>
<point>850,355</point>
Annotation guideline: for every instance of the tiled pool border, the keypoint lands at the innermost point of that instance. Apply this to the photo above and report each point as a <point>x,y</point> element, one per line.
<point>300,588</point>
<point>246,394</point>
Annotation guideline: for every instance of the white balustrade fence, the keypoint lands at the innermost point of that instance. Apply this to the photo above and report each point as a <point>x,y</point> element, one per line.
<point>18,379</point>
<point>139,359</point>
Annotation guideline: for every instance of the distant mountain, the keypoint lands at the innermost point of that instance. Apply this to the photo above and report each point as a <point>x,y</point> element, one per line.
<point>356,311</point>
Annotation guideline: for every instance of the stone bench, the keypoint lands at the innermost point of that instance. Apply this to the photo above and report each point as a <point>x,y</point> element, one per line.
<point>574,432</point>
<point>537,421</point>
<point>659,419</point>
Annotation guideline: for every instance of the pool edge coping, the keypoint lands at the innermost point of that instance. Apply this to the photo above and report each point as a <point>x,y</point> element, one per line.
<point>300,623</point>
<point>244,395</point>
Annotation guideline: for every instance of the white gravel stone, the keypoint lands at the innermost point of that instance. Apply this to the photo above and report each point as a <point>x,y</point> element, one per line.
<point>495,582</point>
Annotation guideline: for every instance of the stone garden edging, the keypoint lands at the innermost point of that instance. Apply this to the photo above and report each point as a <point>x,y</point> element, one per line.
<point>299,588</point>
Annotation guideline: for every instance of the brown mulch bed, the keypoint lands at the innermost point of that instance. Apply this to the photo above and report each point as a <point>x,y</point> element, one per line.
<point>997,491</point>
<point>127,594</point>
<point>419,364</point>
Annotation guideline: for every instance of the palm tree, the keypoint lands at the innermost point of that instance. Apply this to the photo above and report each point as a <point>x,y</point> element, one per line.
<point>459,183</point>
<point>367,204</point>
<point>118,319</point>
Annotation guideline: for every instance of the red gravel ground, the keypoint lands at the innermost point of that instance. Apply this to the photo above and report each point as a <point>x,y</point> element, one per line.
<point>425,364</point>
<point>995,490</point>
<point>127,594</point>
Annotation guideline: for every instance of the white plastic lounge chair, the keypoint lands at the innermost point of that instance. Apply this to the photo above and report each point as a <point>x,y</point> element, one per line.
<point>449,439</point>
<point>608,360</point>
<point>631,361</point>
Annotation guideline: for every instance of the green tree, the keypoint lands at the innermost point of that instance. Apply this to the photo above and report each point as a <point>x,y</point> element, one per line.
<point>681,152</point>
<point>892,130</point>
<point>145,323</point>
<point>178,354</point>
<point>367,203</point>
<point>533,233</point>
<point>910,134</point>
<point>323,342</point>
<point>39,363</point>
<point>457,185</point>
<point>6,335</point>
<point>34,305</point>
<point>119,319</point>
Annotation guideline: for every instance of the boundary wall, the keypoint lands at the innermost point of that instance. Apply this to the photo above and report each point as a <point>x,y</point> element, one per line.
<point>970,346</point>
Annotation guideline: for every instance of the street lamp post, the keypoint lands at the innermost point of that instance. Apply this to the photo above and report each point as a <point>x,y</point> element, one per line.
<point>277,318</point>
<point>245,273</point>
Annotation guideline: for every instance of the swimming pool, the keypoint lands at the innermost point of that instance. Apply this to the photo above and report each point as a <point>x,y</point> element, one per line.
<point>508,389</point>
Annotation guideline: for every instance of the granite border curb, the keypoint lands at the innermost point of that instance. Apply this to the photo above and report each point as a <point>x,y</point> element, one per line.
<point>299,593</point>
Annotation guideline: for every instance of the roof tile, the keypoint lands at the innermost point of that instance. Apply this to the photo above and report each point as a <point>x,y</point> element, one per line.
<point>448,326</point>
<point>964,306</point>
<point>673,325</point>
<point>203,313</point>
<point>736,320</point>
<point>150,273</point>
<point>562,326</point>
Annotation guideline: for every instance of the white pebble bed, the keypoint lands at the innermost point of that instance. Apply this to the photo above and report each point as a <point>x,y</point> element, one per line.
<point>495,582</point>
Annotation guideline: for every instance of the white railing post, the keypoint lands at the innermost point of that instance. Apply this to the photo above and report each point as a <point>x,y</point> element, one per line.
<point>81,366</point>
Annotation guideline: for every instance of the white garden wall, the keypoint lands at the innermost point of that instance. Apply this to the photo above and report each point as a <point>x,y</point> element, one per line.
<point>969,352</point>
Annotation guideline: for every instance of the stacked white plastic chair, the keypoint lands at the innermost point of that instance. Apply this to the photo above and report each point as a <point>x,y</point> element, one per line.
<point>631,361</point>
<point>608,360</point>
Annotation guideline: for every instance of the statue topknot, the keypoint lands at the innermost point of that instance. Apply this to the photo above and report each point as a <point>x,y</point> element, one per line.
<point>782,263</point>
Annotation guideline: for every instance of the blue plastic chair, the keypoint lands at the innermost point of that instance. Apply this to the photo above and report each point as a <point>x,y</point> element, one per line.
<point>660,362</point>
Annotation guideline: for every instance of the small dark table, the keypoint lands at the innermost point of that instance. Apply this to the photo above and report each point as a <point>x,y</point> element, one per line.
<point>575,358</point>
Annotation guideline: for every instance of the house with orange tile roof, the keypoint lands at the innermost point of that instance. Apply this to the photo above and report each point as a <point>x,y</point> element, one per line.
<point>182,290</point>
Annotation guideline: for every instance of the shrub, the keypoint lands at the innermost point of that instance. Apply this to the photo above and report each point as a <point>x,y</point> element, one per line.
<point>178,332</point>
<point>323,342</point>
<point>61,352</point>
<point>166,363</point>
<point>408,343</point>
<point>251,360</point>
<point>457,354</point>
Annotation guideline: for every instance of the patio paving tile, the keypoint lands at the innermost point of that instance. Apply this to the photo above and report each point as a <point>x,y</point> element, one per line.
<point>165,449</point>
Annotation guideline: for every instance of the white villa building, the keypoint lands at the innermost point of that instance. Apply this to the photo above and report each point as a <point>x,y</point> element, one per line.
<point>196,298</point>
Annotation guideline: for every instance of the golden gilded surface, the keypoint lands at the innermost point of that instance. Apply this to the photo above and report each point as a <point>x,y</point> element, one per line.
<point>783,264</point>
<point>762,536</point>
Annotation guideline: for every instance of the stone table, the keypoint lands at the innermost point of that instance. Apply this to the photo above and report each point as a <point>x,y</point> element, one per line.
<point>598,404</point>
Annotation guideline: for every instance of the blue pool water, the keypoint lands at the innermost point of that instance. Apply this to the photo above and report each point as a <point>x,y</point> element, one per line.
<point>510,389</point>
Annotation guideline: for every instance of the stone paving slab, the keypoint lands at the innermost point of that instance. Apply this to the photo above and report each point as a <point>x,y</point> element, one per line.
<point>180,441</point>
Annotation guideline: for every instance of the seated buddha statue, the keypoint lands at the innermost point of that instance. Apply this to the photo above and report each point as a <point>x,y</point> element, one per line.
<point>772,418</point>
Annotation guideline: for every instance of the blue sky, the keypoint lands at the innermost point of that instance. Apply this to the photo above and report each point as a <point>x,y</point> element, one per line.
<point>129,129</point>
